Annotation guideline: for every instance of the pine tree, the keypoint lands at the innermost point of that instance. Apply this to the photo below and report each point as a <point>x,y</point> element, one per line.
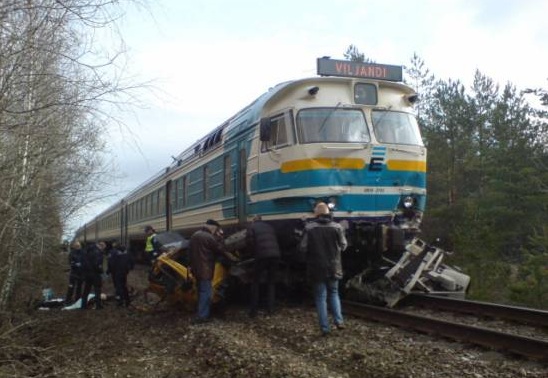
<point>353,54</point>
<point>424,83</point>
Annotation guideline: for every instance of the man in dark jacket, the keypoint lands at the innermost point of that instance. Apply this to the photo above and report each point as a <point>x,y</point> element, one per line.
<point>75,276</point>
<point>92,270</point>
<point>119,265</point>
<point>323,240</point>
<point>262,241</point>
<point>205,247</point>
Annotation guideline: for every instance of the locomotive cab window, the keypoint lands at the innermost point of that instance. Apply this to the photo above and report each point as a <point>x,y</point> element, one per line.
<point>396,127</point>
<point>319,125</point>
<point>279,132</point>
<point>365,94</point>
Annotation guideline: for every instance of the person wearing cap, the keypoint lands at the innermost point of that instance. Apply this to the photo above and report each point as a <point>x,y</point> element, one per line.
<point>205,247</point>
<point>152,246</point>
<point>323,241</point>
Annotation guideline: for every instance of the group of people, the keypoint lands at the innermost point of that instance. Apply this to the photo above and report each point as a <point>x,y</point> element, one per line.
<point>323,241</point>
<point>86,273</point>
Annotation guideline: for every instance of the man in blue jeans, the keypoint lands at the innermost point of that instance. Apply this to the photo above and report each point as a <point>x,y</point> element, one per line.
<point>323,241</point>
<point>205,246</point>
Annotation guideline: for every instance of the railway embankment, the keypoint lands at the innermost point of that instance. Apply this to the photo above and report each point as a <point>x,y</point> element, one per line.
<point>141,342</point>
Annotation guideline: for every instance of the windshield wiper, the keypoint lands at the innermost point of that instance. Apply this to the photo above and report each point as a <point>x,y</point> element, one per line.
<point>324,122</point>
<point>385,112</point>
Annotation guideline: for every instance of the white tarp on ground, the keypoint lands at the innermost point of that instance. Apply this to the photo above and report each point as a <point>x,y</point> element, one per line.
<point>76,305</point>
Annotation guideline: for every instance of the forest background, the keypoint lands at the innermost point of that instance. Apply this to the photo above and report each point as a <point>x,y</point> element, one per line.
<point>487,155</point>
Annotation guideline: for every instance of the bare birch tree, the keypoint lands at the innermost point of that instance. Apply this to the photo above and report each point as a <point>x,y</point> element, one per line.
<point>54,86</point>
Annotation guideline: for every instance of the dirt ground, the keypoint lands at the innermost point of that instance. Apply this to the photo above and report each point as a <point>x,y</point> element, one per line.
<point>137,342</point>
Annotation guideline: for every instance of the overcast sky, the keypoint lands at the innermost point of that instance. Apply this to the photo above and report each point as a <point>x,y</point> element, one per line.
<point>210,58</point>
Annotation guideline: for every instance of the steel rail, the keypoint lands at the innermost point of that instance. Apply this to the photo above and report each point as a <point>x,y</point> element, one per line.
<point>494,310</point>
<point>520,345</point>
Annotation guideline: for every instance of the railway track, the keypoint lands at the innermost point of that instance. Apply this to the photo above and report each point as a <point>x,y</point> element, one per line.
<point>513,313</point>
<point>528,347</point>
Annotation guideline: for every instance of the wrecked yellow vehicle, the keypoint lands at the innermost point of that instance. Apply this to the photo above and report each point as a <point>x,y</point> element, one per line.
<point>171,279</point>
<point>173,282</point>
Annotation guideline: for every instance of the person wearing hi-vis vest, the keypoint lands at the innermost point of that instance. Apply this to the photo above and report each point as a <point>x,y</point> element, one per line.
<point>152,247</point>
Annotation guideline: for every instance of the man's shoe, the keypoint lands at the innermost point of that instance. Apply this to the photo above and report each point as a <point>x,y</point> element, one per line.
<point>340,326</point>
<point>200,321</point>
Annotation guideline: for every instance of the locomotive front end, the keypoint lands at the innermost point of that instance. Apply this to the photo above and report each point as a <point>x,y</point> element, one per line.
<point>352,142</point>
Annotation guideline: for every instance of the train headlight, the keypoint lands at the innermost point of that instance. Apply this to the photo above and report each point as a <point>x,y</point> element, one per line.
<point>408,202</point>
<point>332,203</point>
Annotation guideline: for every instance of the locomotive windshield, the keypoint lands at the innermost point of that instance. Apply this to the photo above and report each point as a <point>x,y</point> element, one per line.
<point>396,127</point>
<point>332,125</point>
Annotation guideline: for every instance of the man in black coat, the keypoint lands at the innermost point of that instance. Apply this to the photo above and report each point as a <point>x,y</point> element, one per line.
<point>262,241</point>
<point>75,276</point>
<point>119,265</point>
<point>92,271</point>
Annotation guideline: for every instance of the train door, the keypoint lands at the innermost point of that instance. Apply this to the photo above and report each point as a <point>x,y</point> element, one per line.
<point>168,203</point>
<point>241,183</point>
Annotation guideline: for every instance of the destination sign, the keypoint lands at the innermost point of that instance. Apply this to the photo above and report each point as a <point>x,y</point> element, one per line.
<point>346,68</point>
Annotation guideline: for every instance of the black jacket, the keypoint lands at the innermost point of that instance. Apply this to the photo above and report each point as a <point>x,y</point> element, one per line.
<point>92,261</point>
<point>119,262</point>
<point>76,257</point>
<point>323,241</point>
<point>262,241</point>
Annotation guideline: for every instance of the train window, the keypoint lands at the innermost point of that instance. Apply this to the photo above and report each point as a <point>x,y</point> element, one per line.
<point>205,187</point>
<point>185,191</point>
<point>365,94</point>
<point>227,187</point>
<point>278,132</point>
<point>173,194</point>
<point>179,193</point>
<point>144,208</point>
<point>396,127</point>
<point>162,201</point>
<point>319,125</point>
<point>242,168</point>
